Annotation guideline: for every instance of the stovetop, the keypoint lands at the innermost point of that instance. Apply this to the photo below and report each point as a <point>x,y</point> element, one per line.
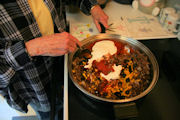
<point>162,103</point>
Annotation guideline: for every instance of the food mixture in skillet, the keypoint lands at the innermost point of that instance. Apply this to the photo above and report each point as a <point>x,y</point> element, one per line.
<point>111,69</point>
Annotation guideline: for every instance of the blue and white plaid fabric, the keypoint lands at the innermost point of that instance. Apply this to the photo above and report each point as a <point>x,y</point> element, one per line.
<point>22,78</point>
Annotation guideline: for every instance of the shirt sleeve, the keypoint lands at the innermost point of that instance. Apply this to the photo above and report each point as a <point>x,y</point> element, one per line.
<point>13,57</point>
<point>6,73</point>
<point>86,6</point>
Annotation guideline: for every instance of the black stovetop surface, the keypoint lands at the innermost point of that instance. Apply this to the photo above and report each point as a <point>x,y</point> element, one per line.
<point>162,103</point>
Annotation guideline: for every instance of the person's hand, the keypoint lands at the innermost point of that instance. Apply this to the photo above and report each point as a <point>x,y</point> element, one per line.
<point>99,17</point>
<point>53,45</point>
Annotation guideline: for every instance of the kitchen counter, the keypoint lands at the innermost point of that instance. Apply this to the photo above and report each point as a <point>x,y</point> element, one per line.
<point>126,22</point>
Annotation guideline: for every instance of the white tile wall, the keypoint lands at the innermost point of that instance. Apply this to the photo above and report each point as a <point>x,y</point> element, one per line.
<point>6,112</point>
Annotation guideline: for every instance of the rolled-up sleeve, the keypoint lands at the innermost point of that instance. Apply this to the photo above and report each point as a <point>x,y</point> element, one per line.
<point>12,58</point>
<point>6,73</point>
<point>86,6</point>
<point>16,55</point>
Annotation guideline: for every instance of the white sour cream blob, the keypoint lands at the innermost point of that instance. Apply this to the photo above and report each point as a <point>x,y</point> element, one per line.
<point>100,49</point>
<point>113,75</point>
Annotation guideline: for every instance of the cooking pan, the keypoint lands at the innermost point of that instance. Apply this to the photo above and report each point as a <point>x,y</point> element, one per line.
<point>135,44</point>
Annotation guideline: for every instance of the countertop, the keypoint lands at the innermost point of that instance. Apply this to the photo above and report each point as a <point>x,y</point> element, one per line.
<point>126,22</point>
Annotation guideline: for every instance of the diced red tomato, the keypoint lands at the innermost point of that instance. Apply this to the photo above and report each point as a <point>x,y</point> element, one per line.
<point>102,86</point>
<point>103,66</point>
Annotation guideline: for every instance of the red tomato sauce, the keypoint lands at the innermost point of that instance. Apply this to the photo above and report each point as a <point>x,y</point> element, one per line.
<point>103,66</point>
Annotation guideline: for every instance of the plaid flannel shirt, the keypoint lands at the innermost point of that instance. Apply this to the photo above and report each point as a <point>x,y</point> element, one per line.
<point>23,79</point>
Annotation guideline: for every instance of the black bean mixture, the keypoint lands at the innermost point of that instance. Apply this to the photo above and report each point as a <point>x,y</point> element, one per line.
<point>134,77</point>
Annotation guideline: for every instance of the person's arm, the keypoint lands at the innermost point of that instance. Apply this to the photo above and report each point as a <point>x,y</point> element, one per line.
<point>86,5</point>
<point>91,7</point>
<point>99,16</point>
<point>13,57</point>
<point>53,45</point>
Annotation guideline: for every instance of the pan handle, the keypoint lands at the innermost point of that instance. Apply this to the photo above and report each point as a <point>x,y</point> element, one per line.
<point>125,110</point>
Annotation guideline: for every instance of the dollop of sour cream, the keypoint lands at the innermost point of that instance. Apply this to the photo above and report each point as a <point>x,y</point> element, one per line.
<point>113,75</point>
<point>100,49</point>
<point>104,48</point>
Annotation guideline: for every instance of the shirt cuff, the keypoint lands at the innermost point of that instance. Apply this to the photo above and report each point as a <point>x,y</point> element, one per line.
<point>86,6</point>
<point>16,55</point>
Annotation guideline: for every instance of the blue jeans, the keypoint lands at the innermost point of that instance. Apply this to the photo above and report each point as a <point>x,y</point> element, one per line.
<point>47,115</point>
<point>55,88</point>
